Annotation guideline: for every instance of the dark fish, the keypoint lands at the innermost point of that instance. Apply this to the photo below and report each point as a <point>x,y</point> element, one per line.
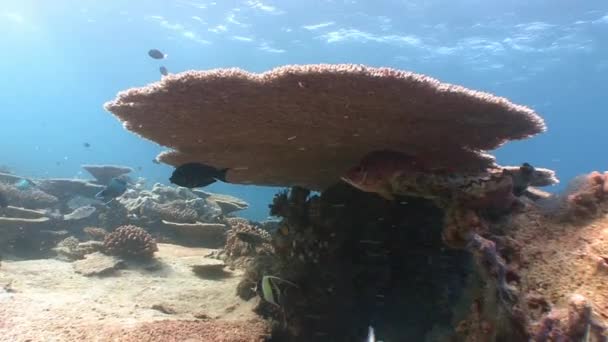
<point>163,71</point>
<point>196,175</point>
<point>116,188</point>
<point>156,54</point>
<point>3,201</point>
<point>250,238</point>
<point>86,144</point>
<point>522,180</point>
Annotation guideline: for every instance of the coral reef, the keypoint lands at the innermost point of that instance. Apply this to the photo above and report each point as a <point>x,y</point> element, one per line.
<point>245,240</point>
<point>95,233</point>
<point>171,204</point>
<point>104,173</point>
<point>586,196</point>
<point>130,242</point>
<point>31,198</point>
<point>68,188</point>
<point>71,248</point>
<point>228,204</point>
<point>308,139</point>
<point>359,260</point>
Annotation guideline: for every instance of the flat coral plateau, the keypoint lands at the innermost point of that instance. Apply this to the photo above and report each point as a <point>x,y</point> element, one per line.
<point>306,124</point>
<point>563,259</point>
<point>50,302</point>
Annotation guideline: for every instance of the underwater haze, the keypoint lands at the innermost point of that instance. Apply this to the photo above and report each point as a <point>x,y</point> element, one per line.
<point>62,60</point>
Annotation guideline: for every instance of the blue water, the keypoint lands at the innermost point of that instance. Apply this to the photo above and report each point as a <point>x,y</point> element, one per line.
<point>61,60</point>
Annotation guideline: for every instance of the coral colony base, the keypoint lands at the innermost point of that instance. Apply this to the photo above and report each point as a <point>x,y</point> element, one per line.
<point>415,236</point>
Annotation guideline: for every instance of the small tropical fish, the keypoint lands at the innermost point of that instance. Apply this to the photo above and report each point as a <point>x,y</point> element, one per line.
<point>86,144</point>
<point>117,187</point>
<point>156,54</point>
<point>271,290</point>
<point>163,71</point>
<point>196,175</point>
<point>522,179</point>
<point>24,184</point>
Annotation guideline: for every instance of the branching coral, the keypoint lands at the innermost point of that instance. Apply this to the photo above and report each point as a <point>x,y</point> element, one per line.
<point>131,242</point>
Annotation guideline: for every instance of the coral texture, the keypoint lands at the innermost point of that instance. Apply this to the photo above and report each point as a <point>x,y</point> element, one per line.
<point>31,198</point>
<point>95,233</point>
<point>130,241</point>
<point>322,119</point>
<point>237,242</point>
<point>104,173</point>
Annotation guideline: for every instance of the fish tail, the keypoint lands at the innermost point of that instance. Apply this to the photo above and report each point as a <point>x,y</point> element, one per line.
<point>222,175</point>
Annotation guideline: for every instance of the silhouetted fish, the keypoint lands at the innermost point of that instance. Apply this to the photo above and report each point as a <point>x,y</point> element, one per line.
<point>117,187</point>
<point>196,175</point>
<point>86,144</point>
<point>156,54</point>
<point>163,71</point>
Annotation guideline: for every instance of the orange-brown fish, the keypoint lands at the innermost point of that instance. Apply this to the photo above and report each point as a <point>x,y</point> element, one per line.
<point>376,171</point>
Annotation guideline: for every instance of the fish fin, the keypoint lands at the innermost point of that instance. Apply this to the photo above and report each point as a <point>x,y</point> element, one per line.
<point>222,175</point>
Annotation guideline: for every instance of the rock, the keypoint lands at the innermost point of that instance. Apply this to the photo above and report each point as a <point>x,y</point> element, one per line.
<point>97,264</point>
<point>164,308</point>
